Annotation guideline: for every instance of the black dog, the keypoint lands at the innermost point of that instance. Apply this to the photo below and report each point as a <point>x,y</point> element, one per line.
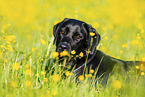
<point>74,35</point>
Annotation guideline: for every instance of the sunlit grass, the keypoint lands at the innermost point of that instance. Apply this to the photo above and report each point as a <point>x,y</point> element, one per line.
<point>26,47</point>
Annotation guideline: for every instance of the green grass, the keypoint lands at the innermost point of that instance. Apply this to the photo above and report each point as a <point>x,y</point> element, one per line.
<point>23,55</point>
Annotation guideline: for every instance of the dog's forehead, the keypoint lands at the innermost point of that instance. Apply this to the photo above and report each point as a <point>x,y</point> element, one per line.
<point>71,27</point>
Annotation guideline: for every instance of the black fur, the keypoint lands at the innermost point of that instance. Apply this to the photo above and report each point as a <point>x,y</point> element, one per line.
<point>71,34</point>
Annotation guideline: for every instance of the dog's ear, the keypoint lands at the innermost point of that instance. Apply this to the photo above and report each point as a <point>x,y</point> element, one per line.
<point>95,38</point>
<point>56,29</point>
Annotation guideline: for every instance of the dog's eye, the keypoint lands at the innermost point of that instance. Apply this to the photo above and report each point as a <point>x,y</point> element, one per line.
<point>62,32</point>
<point>78,37</point>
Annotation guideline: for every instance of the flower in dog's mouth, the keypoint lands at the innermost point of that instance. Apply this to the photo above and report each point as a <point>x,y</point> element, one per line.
<point>64,53</point>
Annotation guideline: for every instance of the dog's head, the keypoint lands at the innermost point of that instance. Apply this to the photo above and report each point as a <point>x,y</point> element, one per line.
<point>71,34</point>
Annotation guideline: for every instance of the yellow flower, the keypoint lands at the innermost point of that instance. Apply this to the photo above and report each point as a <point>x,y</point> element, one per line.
<point>75,11</point>
<point>92,33</point>
<point>16,66</point>
<point>48,92</point>
<point>8,42</point>
<point>111,27</point>
<point>14,84</point>
<point>2,30</point>
<point>75,16</point>
<point>10,47</point>
<point>28,71</point>
<point>55,54</point>
<point>54,92</point>
<point>8,25</point>
<point>88,75</point>
<point>104,29</point>
<point>27,66</point>
<point>81,54</point>
<point>139,26</point>
<point>142,67</point>
<point>106,38</point>
<point>121,51</point>
<point>73,52</point>
<point>43,72</point>
<point>104,48</point>
<point>1,54</point>
<point>142,31</point>
<point>116,84</point>
<point>81,77</point>
<point>96,25</point>
<point>43,41</point>
<point>68,73</point>
<point>5,60</point>
<point>64,53</point>
<point>92,71</point>
<point>132,58</point>
<point>137,67</point>
<point>2,46</point>
<point>10,37</point>
<point>33,49</point>
<point>124,45</point>
<point>142,73</point>
<point>56,77</point>
<point>28,83</point>
<point>45,79</point>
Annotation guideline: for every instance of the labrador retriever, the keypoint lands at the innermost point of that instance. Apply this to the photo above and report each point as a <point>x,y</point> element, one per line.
<point>80,37</point>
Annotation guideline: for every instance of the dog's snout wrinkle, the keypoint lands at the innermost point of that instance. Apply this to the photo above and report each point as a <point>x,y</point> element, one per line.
<point>62,47</point>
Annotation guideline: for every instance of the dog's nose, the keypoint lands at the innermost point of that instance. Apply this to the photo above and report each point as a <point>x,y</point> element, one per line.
<point>63,47</point>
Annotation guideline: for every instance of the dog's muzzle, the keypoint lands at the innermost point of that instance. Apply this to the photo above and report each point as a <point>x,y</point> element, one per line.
<point>62,47</point>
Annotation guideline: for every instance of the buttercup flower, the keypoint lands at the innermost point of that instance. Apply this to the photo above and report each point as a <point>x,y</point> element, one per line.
<point>142,73</point>
<point>45,79</point>
<point>2,46</point>
<point>92,33</point>
<point>142,31</point>
<point>43,41</point>
<point>28,83</point>
<point>43,72</point>
<point>0,54</point>
<point>54,92</point>
<point>16,66</point>
<point>121,51</point>
<point>13,84</point>
<point>64,53</point>
<point>55,77</point>
<point>116,84</point>
<point>55,54</point>
<point>73,52</point>
<point>27,71</point>
<point>27,66</point>
<point>5,60</point>
<point>91,71</point>
<point>106,38</point>
<point>81,54</point>
<point>33,49</point>
<point>124,45</point>
<point>88,75</point>
<point>68,73</point>
<point>137,67</point>
<point>48,92</point>
<point>2,30</point>
<point>81,77</point>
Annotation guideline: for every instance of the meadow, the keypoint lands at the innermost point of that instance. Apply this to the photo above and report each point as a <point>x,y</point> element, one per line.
<point>26,47</point>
